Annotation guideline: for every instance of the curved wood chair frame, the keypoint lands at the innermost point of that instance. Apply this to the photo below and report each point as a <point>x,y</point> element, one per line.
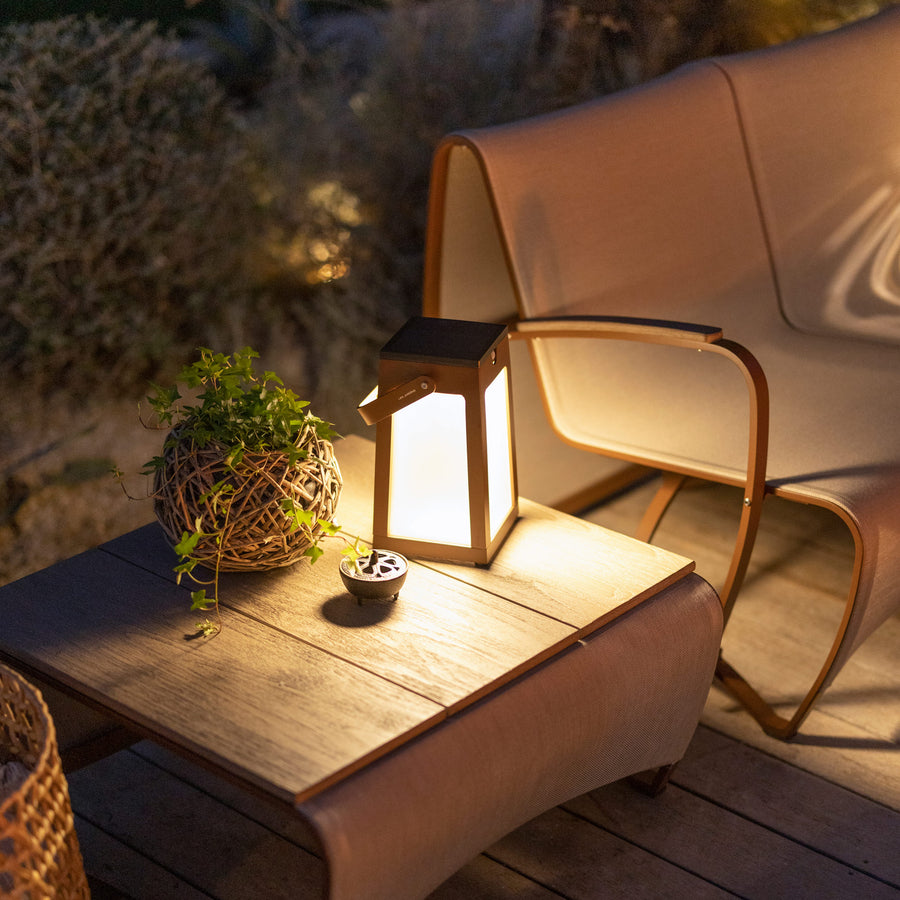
<point>677,334</point>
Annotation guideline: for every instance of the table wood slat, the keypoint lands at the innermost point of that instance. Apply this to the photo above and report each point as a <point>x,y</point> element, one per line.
<point>478,641</point>
<point>261,705</point>
<point>589,576</point>
<point>553,563</point>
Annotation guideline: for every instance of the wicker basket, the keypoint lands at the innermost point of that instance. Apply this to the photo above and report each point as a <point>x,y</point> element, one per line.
<point>39,854</point>
<point>256,533</point>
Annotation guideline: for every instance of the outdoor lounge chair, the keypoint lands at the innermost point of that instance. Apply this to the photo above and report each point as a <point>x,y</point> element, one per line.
<point>747,207</point>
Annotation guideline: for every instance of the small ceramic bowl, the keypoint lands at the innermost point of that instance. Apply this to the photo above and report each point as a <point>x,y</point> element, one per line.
<point>378,576</point>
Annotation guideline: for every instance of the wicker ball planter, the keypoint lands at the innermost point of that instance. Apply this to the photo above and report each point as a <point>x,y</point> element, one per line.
<point>247,479</point>
<point>250,531</point>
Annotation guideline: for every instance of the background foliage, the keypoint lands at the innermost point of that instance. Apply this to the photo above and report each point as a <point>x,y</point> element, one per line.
<point>258,177</point>
<point>125,217</point>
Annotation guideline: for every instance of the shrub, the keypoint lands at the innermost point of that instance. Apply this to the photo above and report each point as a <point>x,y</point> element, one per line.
<point>126,207</point>
<point>355,104</point>
<point>345,129</point>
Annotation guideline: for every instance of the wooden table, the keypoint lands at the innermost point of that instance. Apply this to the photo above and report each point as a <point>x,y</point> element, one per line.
<point>304,686</point>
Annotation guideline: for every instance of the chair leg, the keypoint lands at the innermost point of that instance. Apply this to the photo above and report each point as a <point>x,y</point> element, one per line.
<point>672,482</point>
<point>654,781</point>
<point>743,548</point>
<point>773,724</point>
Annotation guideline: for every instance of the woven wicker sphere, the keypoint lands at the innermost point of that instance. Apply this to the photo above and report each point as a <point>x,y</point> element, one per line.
<point>256,533</point>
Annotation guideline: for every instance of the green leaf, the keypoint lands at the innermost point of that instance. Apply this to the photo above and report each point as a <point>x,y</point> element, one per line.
<point>188,543</point>
<point>302,517</point>
<point>199,600</point>
<point>185,567</point>
<point>354,552</point>
<point>313,553</point>
<point>153,465</point>
<point>163,401</point>
<point>205,629</point>
<point>217,492</point>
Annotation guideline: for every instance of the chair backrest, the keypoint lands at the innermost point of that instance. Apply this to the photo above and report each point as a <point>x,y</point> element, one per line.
<point>640,197</point>
<point>635,204</point>
<point>822,122</point>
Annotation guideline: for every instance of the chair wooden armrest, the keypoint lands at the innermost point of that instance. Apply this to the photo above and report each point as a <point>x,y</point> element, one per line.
<point>696,337</point>
<point>626,328</point>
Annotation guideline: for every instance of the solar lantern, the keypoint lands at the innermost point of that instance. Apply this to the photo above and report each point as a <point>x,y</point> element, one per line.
<point>445,475</point>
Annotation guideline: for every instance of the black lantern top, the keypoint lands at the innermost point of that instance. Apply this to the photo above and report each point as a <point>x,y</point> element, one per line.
<point>451,342</point>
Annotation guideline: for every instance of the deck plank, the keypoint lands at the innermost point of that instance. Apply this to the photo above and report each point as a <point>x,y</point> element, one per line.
<point>122,869</point>
<point>839,751</point>
<point>184,830</point>
<point>805,808</point>
<point>723,847</point>
<point>561,850</point>
<point>486,879</point>
<point>277,817</point>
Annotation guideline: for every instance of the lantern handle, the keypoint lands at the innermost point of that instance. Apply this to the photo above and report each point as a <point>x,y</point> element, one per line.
<point>396,399</point>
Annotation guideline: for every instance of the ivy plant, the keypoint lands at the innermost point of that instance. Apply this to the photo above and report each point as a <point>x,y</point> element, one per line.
<point>242,413</point>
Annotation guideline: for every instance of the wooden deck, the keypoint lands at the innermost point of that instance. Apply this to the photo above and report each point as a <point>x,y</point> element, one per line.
<point>744,815</point>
